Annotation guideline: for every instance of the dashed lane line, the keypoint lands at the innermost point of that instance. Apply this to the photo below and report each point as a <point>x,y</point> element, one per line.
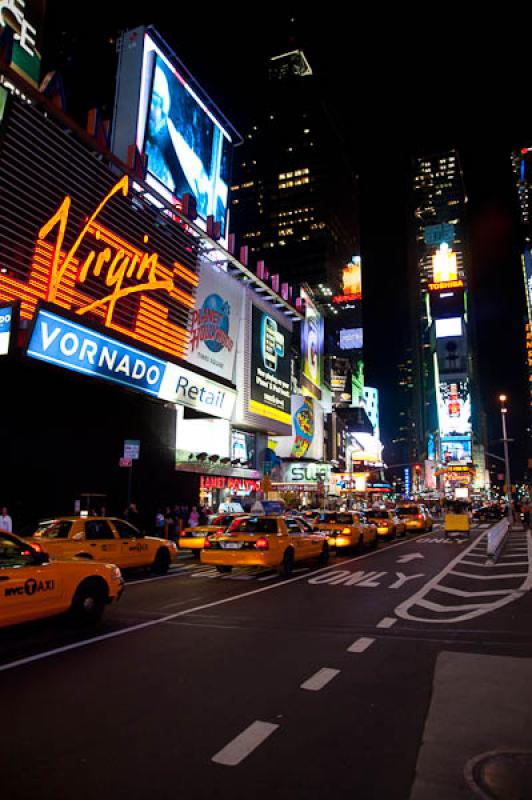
<point>360,645</point>
<point>504,576</point>
<point>386,622</point>
<point>320,679</point>
<point>244,744</point>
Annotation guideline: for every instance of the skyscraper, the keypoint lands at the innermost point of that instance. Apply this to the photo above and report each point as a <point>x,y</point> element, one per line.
<point>522,169</point>
<point>446,392</point>
<point>294,198</point>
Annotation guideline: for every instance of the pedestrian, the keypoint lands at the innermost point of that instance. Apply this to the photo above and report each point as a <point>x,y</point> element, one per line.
<point>193,519</point>
<point>6,523</point>
<point>132,515</point>
<point>159,523</point>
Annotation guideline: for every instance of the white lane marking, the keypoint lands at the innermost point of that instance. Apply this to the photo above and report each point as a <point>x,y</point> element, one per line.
<point>169,617</point>
<point>386,622</point>
<point>463,593</point>
<point>320,679</point>
<point>301,569</point>
<point>244,744</point>
<point>409,557</point>
<point>472,609</point>
<point>207,573</point>
<point>172,574</point>
<point>268,577</point>
<point>360,645</point>
<point>488,577</point>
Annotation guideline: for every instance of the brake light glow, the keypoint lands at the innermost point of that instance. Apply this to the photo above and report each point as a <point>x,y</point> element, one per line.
<point>36,546</point>
<point>219,530</point>
<point>419,516</point>
<point>346,531</point>
<point>262,544</point>
<point>206,543</point>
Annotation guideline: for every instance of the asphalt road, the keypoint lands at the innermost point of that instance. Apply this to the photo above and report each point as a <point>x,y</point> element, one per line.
<point>248,686</point>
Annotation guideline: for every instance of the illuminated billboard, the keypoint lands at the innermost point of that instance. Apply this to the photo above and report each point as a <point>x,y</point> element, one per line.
<point>311,348</point>
<point>444,266</point>
<point>351,283</point>
<point>89,243</point>
<point>25,19</point>
<point>186,140</point>
<point>527,268</point>
<point>448,327</point>
<point>6,321</point>
<point>454,408</point>
<point>65,343</point>
<point>456,448</point>
<point>215,322</point>
<point>306,440</point>
<point>350,338</point>
<point>437,234</point>
<point>270,367</point>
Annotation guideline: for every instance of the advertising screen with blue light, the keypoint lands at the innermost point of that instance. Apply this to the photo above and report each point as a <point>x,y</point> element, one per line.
<point>188,148</point>
<point>6,316</point>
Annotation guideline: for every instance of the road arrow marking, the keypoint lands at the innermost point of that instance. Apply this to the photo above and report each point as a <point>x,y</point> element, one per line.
<point>410,557</point>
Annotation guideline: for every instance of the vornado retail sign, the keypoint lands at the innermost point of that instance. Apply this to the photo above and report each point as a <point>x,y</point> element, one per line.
<point>67,344</point>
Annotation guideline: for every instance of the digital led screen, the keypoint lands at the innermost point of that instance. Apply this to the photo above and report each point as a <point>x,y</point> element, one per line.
<point>311,348</point>
<point>351,338</point>
<point>456,448</point>
<point>6,315</point>
<point>188,150</point>
<point>448,327</point>
<point>270,367</point>
<point>444,265</point>
<point>454,408</point>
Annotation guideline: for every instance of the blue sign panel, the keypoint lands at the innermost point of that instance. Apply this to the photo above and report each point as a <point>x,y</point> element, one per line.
<point>437,234</point>
<point>407,481</point>
<point>67,344</point>
<point>6,314</point>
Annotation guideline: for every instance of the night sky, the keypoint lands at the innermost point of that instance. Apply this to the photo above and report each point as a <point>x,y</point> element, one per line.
<point>399,84</point>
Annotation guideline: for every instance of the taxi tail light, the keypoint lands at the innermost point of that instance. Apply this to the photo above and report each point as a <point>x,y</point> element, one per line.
<point>262,544</point>
<point>220,530</point>
<point>206,543</point>
<point>346,530</point>
<point>182,533</point>
<point>38,547</point>
<point>419,516</point>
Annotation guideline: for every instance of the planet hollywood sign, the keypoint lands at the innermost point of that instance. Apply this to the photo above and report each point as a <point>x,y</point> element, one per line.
<point>209,482</point>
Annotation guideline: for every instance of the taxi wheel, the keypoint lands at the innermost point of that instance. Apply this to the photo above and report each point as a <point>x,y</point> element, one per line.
<point>286,567</point>
<point>224,568</point>
<point>89,601</point>
<point>323,557</point>
<point>161,562</point>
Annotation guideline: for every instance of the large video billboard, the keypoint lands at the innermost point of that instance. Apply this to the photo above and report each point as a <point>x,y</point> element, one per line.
<point>311,349</point>
<point>215,322</point>
<point>270,367</point>
<point>454,408</point>
<point>25,18</point>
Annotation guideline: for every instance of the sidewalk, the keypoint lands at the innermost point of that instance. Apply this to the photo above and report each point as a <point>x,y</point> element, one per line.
<point>477,741</point>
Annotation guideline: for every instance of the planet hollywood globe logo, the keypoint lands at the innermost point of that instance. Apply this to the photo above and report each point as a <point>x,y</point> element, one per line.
<point>210,325</point>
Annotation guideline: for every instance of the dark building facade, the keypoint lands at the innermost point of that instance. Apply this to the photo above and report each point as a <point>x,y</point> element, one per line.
<point>294,195</point>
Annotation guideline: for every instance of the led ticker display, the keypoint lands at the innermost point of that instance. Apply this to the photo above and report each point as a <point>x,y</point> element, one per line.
<point>90,244</point>
<point>188,149</point>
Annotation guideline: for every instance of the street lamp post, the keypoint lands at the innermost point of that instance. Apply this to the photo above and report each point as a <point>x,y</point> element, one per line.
<point>504,411</point>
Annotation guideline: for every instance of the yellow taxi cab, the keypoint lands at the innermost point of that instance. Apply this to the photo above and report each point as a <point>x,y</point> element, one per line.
<point>388,523</point>
<point>264,541</point>
<point>33,587</point>
<point>193,538</point>
<point>416,517</point>
<point>348,529</point>
<point>105,539</point>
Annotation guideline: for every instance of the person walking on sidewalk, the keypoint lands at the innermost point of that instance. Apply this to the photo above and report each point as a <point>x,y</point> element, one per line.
<point>6,523</point>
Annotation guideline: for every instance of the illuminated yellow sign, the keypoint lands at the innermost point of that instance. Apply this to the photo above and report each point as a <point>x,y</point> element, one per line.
<point>434,287</point>
<point>444,267</point>
<point>352,279</point>
<point>101,269</point>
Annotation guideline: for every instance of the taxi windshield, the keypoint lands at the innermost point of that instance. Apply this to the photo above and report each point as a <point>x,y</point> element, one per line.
<point>378,514</point>
<point>54,529</point>
<point>408,510</point>
<point>344,518</point>
<point>254,525</point>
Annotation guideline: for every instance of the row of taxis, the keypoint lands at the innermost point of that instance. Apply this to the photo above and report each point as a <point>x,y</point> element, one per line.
<point>73,564</point>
